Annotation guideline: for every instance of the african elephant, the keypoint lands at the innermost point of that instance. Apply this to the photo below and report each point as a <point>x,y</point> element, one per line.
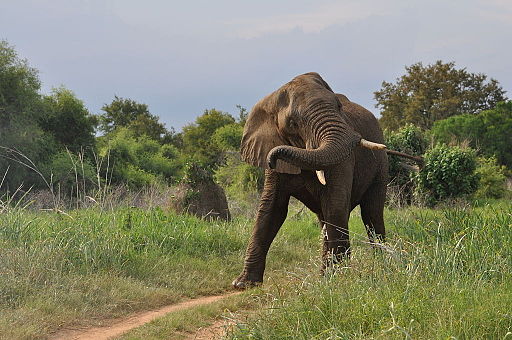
<point>314,146</point>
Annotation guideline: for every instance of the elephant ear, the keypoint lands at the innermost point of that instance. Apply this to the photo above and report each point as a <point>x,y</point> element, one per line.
<point>260,136</point>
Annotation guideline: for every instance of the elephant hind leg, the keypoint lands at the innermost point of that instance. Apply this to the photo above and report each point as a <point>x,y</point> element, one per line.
<point>372,212</point>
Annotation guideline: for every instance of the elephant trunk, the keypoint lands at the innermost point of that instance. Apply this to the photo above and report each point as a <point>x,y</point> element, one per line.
<point>335,140</point>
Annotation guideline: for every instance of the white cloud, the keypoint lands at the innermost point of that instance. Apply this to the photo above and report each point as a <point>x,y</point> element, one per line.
<point>334,13</point>
<point>500,10</point>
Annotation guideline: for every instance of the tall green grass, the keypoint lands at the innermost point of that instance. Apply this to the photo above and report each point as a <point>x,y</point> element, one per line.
<point>59,270</point>
<point>443,274</point>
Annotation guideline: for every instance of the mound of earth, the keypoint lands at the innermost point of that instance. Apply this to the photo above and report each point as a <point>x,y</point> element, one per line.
<point>206,200</point>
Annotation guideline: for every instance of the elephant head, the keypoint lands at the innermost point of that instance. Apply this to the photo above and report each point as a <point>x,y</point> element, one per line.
<point>300,126</point>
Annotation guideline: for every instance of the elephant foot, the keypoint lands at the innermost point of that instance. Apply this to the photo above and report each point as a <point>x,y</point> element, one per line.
<point>245,281</point>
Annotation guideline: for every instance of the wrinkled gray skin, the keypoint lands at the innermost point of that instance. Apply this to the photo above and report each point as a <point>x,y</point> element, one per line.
<point>302,127</point>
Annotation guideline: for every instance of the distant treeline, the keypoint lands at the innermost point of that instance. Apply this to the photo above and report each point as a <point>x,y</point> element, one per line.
<point>50,140</point>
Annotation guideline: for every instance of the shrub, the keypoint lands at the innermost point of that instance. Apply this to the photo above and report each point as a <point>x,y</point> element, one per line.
<point>488,132</point>
<point>492,178</point>
<point>411,140</point>
<point>242,183</point>
<point>228,137</point>
<point>70,174</point>
<point>139,161</point>
<point>449,172</point>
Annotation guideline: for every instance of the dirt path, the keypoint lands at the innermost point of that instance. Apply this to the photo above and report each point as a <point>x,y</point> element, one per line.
<point>119,326</point>
<point>215,331</point>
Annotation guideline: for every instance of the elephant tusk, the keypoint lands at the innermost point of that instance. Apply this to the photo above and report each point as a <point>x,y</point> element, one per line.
<point>321,176</point>
<point>371,145</point>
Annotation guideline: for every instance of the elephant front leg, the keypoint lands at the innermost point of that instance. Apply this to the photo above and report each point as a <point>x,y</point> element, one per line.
<point>271,215</point>
<point>336,212</point>
<point>336,243</point>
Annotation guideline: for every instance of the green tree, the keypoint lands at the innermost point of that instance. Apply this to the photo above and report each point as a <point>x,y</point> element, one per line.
<point>173,138</point>
<point>70,174</point>
<point>426,94</point>
<point>19,88</point>
<point>489,132</point>
<point>23,144</point>
<point>492,178</point>
<point>68,120</point>
<point>138,160</point>
<point>135,116</point>
<point>228,137</point>
<point>242,115</point>
<point>198,141</point>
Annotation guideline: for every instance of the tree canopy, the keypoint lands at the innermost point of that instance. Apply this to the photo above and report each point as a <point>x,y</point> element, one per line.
<point>68,120</point>
<point>198,140</point>
<point>130,114</point>
<point>21,138</point>
<point>42,136</point>
<point>429,93</point>
<point>138,160</point>
<point>19,87</point>
<point>489,131</point>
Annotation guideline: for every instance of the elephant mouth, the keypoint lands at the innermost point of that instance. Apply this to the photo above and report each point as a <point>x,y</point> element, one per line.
<point>320,174</point>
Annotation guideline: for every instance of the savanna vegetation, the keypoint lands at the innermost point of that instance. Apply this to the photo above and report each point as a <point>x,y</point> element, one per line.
<point>87,233</point>
<point>443,273</point>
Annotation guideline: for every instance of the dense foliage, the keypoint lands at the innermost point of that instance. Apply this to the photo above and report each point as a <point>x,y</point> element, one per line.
<point>67,119</point>
<point>198,139</point>
<point>426,94</point>
<point>491,178</point>
<point>19,86</point>
<point>50,141</point>
<point>70,175</point>
<point>138,160</point>
<point>411,140</point>
<point>489,132</point>
<point>23,142</point>
<point>130,114</point>
<point>449,172</point>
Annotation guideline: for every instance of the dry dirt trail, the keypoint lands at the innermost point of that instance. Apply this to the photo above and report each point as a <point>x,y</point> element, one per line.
<point>117,327</point>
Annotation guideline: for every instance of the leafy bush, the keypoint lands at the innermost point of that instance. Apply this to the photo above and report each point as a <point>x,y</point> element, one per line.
<point>198,137</point>
<point>20,135</point>
<point>242,183</point>
<point>488,132</point>
<point>68,120</point>
<point>411,140</point>
<point>228,137</point>
<point>139,161</point>
<point>492,178</point>
<point>239,176</point>
<point>136,177</point>
<point>70,174</point>
<point>449,172</point>
<point>195,174</point>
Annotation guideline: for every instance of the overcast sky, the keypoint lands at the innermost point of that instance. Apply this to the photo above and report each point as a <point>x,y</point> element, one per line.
<point>182,57</point>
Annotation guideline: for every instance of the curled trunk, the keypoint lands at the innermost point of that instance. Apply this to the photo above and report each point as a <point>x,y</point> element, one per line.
<point>336,140</point>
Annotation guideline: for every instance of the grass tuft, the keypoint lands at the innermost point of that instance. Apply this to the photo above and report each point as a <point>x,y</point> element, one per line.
<point>443,274</point>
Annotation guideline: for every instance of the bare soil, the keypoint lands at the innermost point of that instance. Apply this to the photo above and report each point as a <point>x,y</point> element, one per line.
<point>117,327</point>
<point>215,331</point>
